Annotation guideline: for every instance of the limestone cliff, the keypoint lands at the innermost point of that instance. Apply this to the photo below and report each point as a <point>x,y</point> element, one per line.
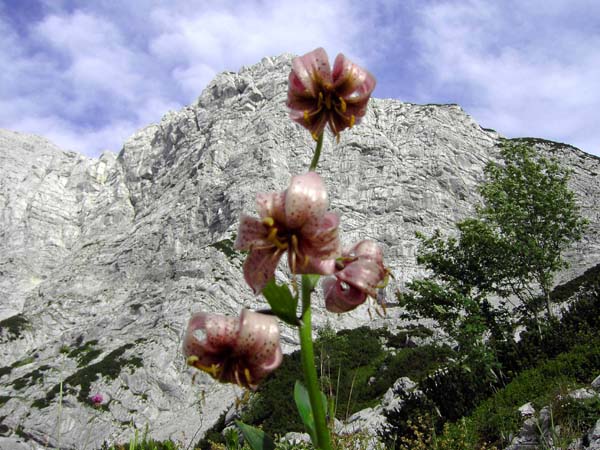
<point>103,260</point>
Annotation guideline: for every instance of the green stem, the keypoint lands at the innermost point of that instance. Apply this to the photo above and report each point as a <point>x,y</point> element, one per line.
<point>310,371</point>
<point>317,155</point>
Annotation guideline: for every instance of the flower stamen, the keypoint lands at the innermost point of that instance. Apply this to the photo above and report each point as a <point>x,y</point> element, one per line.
<point>342,105</point>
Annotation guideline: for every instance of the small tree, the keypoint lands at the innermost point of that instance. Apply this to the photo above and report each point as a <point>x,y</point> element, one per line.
<point>514,246</point>
<point>528,204</point>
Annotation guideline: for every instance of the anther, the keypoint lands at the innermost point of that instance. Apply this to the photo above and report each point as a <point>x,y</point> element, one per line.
<point>247,375</point>
<point>191,360</point>
<point>272,235</point>
<point>268,221</point>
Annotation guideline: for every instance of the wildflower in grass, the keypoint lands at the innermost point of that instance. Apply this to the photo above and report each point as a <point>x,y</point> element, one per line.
<point>97,399</point>
<point>240,350</point>
<point>318,96</point>
<point>360,272</point>
<point>295,221</point>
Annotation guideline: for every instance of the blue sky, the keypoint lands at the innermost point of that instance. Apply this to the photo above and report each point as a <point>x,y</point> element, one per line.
<point>87,74</point>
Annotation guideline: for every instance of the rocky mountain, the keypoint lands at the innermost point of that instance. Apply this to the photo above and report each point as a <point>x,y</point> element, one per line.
<point>103,260</point>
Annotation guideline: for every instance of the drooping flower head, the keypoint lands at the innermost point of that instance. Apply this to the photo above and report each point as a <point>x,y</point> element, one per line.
<point>295,221</point>
<point>240,350</point>
<point>361,272</point>
<point>318,96</point>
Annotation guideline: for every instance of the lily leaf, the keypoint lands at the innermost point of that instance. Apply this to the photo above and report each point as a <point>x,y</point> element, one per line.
<point>305,409</point>
<point>310,281</point>
<point>282,302</point>
<point>256,439</point>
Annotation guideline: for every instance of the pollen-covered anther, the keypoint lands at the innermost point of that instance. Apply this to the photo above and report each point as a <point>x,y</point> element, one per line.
<point>306,117</point>
<point>247,376</point>
<point>191,360</point>
<point>268,221</point>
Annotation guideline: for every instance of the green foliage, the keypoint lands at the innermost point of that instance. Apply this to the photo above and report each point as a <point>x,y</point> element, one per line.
<point>226,246</point>
<point>283,304</point>
<point>578,415</point>
<point>110,366</point>
<point>256,439</point>
<point>85,353</point>
<point>355,372</point>
<point>513,246</point>
<point>145,443</point>
<point>578,325</point>
<point>533,212</point>
<point>30,378</point>
<point>12,328</point>
<point>498,416</point>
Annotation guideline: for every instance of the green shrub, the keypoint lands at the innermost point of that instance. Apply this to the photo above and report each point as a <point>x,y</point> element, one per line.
<point>496,417</point>
<point>12,327</point>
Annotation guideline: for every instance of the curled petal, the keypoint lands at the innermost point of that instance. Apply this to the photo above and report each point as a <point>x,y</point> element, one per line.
<point>306,200</point>
<point>259,339</point>
<point>220,333</point>
<point>308,70</point>
<point>318,266</point>
<point>321,240</point>
<point>271,204</point>
<point>368,249</point>
<point>251,233</point>
<point>241,351</point>
<point>259,267</point>
<point>341,298</point>
<point>352,82</point>
<point>363,274</point>
<point>318,96</point>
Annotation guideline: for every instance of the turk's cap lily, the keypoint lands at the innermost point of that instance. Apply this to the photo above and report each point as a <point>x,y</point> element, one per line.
<point>240,350</point>
<point>318,96</point>
<point>295,221</point>
<point>361,272</point>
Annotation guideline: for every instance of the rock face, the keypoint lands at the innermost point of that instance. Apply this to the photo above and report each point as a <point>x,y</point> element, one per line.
<point>103,260</point>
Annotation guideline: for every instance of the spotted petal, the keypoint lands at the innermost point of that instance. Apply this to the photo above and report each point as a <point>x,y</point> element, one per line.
<point>259,339</point>
<point>308,71</point>
<point>251,233</point>
<point>341,298</point>
<point>306,200</point>
<point>363,274</point>
<point>259,267</point>
<point>271,204</point>
<point>351,81</point>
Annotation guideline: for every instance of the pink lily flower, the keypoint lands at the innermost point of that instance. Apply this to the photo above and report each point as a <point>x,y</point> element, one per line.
<point>318,96</point>
<point>295,220</point>
<point>361,273</point>
<point>240,350</point>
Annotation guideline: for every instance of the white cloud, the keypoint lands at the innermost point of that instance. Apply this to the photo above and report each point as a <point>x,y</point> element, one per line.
<point>520,70</point>
<point>85,69</point>
<point>82,68</point>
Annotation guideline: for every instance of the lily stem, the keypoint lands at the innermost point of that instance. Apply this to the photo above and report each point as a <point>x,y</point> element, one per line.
<point>317,154</point>
<point>310,371</point>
